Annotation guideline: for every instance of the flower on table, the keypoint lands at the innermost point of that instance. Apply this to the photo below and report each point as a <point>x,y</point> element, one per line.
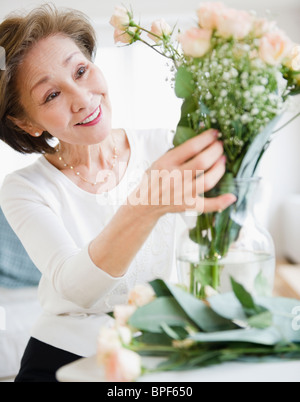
<point>123,365</point>
<point>120,364</point>
<point>141,295</point>
<point>123,312</point>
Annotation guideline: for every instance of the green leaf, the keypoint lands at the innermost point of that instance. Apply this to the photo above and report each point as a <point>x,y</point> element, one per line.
<point>203,108</point>
<point>162,310</point>
<point>261,321</point>
<point>261,284</point>
<point>183,134</point>
<point>160,288</point>
<point>202,273</point>
<point>203,316</point>
<point>227,306</point>
<point>184,83</point>
<point>170,331</point>
<point>253,154</point>
<point>268,336</point>
<point>260,317</point>
<point>243,296</point>
<point>246,300</point>
<point>152,338</point>
<point>282,309</point>
<point>188,106</point>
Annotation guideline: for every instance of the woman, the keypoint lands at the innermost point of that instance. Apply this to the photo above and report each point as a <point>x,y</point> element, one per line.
<point>84,210</point>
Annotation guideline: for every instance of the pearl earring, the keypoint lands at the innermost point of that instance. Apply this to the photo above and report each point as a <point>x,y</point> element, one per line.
<point>37,134</point>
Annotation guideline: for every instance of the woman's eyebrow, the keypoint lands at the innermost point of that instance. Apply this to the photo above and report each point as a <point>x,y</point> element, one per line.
<point>47,78</point>
<point>68,59</point>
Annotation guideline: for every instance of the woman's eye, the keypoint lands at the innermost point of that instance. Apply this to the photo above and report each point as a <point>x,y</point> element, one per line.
<point>81,72</point>
<point>52,96</point>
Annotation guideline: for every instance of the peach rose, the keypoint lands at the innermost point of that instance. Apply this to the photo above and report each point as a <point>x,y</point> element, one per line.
<point>235,23</point>
<point>262,26</point>
<point>274,47</point>
<point>293,59</point>
<point>141,295</point>
<point>195,42</point>
<point>120,18</point>
<point>122,313</point>
<point>208,14</point>
<point>123,36</point>
<point>108,342</point>
<point>159,28</point>
<point>123,365</point>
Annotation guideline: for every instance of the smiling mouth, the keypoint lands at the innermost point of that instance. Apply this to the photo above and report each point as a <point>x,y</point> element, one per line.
<point>93,118</point>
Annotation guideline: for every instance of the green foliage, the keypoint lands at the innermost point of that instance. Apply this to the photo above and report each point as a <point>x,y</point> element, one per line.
<point>234,326</point>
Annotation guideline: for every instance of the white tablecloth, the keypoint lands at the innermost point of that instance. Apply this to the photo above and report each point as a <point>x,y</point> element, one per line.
<point>86,370</point>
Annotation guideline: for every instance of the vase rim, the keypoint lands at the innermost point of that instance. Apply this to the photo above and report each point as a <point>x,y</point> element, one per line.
<point>253,179</point>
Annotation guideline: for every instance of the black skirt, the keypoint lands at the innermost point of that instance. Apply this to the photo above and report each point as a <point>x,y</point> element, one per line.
<point>41,361</point>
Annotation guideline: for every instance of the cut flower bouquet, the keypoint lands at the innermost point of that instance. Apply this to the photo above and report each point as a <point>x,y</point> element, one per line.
<point>236,73</point>
<point>186,333</point>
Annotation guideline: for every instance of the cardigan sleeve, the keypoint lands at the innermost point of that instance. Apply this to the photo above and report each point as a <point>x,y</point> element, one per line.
<point>69,269</point>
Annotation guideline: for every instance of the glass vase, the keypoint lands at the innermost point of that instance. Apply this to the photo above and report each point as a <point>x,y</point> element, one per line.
<point>228,244</point>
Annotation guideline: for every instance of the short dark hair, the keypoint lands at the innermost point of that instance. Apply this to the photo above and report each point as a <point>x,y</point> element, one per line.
<point>18,33</point>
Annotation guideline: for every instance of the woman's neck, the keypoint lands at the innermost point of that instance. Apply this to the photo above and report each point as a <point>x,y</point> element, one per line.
<point>88,157</point>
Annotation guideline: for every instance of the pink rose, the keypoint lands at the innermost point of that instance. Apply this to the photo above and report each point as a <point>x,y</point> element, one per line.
<point>123,366</point>
<point>195,42</point>
<point>122,313</point>
<point>141,295</point>
<point>274,47</point>
<point>123,36</point>
<point>159,28</point>
<point>261,26</point>
<point>234,23</point>
<point>208,14</point>
<point>120,18</point>
<point>293,58</point>
<point>108,342</point>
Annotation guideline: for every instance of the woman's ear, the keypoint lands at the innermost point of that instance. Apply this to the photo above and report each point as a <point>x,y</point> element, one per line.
<point>26,126</point>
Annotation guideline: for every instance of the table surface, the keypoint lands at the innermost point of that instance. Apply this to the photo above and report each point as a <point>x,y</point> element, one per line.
<point>87,370</point>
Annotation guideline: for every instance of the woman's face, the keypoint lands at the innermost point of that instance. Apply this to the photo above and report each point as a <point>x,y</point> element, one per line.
<point>64,93</point>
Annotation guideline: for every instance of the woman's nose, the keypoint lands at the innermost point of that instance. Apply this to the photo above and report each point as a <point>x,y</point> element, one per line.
<point>80,98</point>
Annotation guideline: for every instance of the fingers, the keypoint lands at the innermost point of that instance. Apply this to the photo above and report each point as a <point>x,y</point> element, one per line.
<point>212,176</point>
<point>218,203</point>
<point>192,147</point>
<point>206,159</point>
<point>208,181</point>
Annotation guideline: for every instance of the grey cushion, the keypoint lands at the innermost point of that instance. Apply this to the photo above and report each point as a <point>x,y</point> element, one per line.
<point>16,268</point>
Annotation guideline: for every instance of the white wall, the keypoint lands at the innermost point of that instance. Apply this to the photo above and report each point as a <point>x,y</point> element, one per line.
<point>142,98</point>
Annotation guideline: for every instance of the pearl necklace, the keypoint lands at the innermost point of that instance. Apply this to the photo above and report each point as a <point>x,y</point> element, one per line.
<point>78,174</point>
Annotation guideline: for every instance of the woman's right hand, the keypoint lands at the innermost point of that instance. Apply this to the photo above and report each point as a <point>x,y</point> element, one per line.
<point>178,179</point>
